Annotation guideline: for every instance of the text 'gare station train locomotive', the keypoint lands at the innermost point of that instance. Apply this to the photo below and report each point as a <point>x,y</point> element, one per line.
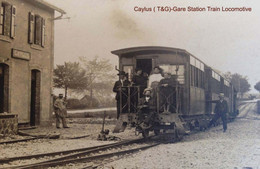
<point>189,99</point>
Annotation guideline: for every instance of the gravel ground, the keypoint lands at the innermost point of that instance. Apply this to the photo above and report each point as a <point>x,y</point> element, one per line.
<point>238,148</point>
<point>78,127</point>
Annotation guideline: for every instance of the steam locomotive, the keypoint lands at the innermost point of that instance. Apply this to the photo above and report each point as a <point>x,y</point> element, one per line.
<point>190,105</point>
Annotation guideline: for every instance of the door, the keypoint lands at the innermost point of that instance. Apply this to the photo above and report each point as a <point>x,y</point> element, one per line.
<point>4,87</point>
<point>145,65</point>
<point>35,98</point>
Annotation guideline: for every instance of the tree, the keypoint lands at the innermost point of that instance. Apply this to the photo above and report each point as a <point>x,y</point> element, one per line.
<point>99,73</point>
<point>70,76</point>
<point>239,82</point>
<point>257,86</point>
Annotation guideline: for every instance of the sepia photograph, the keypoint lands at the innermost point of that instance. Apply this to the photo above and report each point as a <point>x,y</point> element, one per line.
<point>129,84</point>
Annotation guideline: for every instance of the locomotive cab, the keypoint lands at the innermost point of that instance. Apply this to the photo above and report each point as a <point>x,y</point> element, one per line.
<point>168,102</point>
<point>183,104</point>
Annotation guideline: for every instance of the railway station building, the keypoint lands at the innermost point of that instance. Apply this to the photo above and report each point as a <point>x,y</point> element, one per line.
<point>26,62</point>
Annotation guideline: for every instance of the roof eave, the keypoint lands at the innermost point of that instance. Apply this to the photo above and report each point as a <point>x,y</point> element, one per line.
<point>48,5</point>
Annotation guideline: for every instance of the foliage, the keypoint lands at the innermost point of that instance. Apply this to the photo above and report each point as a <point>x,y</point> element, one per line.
<point>97,70</point>
<point>73,103</point>
<point>88,77</point>
<point>82,103</point>
<point>86,102</point>
<point>257,86</point>
<point>100,78</point>
<point>70,76</point>
<point>239,82</point>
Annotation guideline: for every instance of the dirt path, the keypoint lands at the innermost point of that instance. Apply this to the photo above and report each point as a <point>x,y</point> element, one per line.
<point>237,148</point>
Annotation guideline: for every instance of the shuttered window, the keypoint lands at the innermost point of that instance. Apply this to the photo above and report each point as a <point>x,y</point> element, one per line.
<point>31,28</point>
<point>13,21</point>
<point>2,20</point>
<point>7,20</point>
<point>36,33</point>
<point>43,33</point>
<point>38,30</point>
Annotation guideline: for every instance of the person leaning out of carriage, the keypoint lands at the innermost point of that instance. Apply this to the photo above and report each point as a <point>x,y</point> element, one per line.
<point>140,80</point>
<point>122,82</point>
<point>221,110</point>
<point>155,77</point>
<point>60,112</point>
<point>146,108</point>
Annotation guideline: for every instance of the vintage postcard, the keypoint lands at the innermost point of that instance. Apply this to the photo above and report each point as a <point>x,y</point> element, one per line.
<point>130,84</point>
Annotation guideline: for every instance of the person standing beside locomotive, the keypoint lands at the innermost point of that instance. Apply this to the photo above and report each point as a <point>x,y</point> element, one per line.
<point>60,111</point>
<point>221,110</point>
<point>122,82</point>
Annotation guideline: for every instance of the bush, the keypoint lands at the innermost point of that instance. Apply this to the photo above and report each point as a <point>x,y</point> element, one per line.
<point>74,104</point>
<point>82,104</point>
<point>85,101</point>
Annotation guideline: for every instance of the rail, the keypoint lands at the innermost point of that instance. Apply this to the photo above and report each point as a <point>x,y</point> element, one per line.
<point>80,155</point>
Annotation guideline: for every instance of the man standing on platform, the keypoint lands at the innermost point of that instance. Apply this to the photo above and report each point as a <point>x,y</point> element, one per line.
<point>122,82</point>
<point>60,111</point>
<point>221,110</point>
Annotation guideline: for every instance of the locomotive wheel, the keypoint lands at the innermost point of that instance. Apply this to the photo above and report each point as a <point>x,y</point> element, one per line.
<point>177,135</point>
<point>145,133</point>
<point>157,132</point>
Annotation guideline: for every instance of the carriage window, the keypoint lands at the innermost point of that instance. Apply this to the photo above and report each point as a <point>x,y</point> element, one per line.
<point>191,76</point>
<point>178,70</point>
<point>129,69</point>
<point>215,76</point>
<point>197,76</point>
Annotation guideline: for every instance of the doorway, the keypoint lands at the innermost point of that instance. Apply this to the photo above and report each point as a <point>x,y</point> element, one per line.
<point>4,87</point>
<point>35,97</point>
<point>145,65</point>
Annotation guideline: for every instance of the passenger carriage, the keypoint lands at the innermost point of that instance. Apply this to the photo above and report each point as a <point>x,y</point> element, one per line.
<point>197,85</point>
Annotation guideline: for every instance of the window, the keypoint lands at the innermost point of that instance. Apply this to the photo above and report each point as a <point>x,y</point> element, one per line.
<point>197,77</point>
<point>178,70</point>
<point>215,76</point>
<point>197,72</point>
<point>7,20</point>
<point>191,76</point>
<point>36,34</point>
<point>226,87</point>
<point>130,70</point>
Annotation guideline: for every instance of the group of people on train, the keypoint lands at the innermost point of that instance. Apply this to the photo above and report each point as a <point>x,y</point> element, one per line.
<point>148,85</point>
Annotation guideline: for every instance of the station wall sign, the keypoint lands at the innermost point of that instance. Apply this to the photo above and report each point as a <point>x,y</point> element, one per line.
<point>19,54</point>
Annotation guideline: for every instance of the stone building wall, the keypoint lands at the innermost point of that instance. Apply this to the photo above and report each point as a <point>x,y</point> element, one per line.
<point>8,124</point>
<point>20,58</point>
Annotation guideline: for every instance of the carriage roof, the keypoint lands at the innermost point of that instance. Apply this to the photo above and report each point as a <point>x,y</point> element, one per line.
<point>159,49</point>
<point>143,49</point>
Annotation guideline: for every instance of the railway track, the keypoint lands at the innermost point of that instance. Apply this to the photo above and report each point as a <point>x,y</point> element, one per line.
<point>84,155</point>
<point>244,111</point>
<point>97,155</point>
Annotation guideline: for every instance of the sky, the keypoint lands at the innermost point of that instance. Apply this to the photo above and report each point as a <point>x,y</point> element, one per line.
<point>226,41</point>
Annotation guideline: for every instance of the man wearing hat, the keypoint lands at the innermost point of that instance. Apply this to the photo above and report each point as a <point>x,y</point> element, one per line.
<point>60,112</point>
<point>221,110</point>
<point>122,82</point>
